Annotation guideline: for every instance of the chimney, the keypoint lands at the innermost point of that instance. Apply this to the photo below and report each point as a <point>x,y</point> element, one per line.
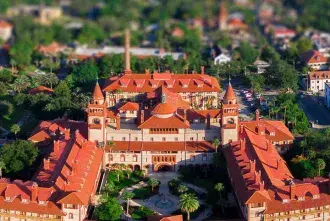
<point>257,175</point>
<point>269,149</point>
<point>208,121</point>
<point>243,142</point>
<point>46,164</point>
<point>252,165</point>
<point>34,192</point>
<point>202,69</point>
<point>142,117</point>
<point>241,128</point>
<point>257,115</point>
<point>127,51</point>
<point>118,121</point>
<point>56,145</point>
<point>262,186</point>
<point>292,190</point>
<point>67,134</point>
<point>184,114</point>
<point>147,71</point>
<point>261,129</point>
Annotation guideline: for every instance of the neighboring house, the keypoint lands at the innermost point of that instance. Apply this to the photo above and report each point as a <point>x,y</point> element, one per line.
<point>41,89</point>
<point>222,58</point>
<point>317,80</point>
<point>261,66</point>
<point>177,32</point>
<point>6,30</point>
<point>279,32</point>
<point>327,95</point>
<point>51,49</point>
<point>314,59</point>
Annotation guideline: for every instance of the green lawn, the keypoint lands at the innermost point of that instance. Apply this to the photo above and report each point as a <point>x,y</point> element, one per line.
<point>7,120</point>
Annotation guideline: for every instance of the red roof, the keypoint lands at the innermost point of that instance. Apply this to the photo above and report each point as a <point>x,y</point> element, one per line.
<point>174,121</point>
<point>173,82</point>
<point>165,218</point>
<point>319,75</point>
<point>41,89</point>
<point>230,94</point>
<point>97,94</point>
<point>313,56</point>
<point>129,106</point>
<point>4,24</point>
<point>53,48</point>
<point>164,108</point>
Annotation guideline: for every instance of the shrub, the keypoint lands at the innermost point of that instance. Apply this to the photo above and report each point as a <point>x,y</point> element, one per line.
<point>142,213</point>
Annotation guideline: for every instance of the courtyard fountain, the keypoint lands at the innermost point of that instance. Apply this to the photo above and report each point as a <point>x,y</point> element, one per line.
<point>164,203</point>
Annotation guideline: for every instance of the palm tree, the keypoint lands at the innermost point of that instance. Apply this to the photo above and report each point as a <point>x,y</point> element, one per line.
<point>219,187</point>
<point>51,79</point>
<point>12,63</point>
<point>182,188</point>
<point>2,166</point>
<point>153,183</point>
<point>127,195</point>
<point>21,83</point>
<point>188,203</point>
<point>320,165</point>
<point>216,143</point>
<point>15,129</point>
<point>285,105</point>
<point>111,144</point>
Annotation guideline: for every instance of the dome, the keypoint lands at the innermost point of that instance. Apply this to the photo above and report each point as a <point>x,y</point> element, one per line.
<point>163,109</point>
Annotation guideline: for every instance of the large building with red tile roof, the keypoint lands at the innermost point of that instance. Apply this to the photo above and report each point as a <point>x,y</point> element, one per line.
<point>315,59</point>
<point>63,186</point>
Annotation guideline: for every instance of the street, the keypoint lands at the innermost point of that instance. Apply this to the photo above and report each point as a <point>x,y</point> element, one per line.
<point>315,111</point>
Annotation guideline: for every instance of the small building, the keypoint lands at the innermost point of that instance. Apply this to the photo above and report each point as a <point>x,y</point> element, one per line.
<point>51,49</point>
<point>6,30</point>
<point>315,59</point>
<point>317,80</point>
<point>261,66</point>
<point>222,58</point>
<point>41,89</point>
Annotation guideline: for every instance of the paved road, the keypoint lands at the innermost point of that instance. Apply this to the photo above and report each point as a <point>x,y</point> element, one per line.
<point>315,111</point>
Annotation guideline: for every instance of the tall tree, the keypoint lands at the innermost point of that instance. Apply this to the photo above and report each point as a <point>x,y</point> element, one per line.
<point>219,187</point>
<point>153,183</point>
<point>109,210</point>
<point>21,83</point>
<point>216,142</point>
<point>15,129</point>
<point>320,164</point>
<point>188,203</point>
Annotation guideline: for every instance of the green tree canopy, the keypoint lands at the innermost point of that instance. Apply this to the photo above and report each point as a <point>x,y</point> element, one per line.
<point>91,33</point>
<point>85,74</point>
<point>188,203</point>
<point>109,210</point>
<point>247,53</point>
<point>18,155</point>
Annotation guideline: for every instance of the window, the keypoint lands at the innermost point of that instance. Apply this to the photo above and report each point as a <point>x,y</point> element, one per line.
<point>110,157</point>
<point>122,158</point>
<point>123,138</point>
<point>164,138</point>
<point>151,139</point>
<point>69,206</point>
<point>135,138</point>
<point>70,215</point>
<point>134,158</point>
<point>204,158</point>
<point>96,121</point>
<point>203,138</point>
<point>191,138</point>
<point>176,139</point>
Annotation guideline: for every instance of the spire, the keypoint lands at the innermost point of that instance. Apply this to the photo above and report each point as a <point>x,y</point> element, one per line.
<point>230,96</point>
<point>97,94</point>
<point>127,51</point>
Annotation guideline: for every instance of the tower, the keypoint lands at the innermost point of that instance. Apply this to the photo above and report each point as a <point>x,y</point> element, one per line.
<point>223,16</point>
<point>97,113</point>
<point>229,119</point>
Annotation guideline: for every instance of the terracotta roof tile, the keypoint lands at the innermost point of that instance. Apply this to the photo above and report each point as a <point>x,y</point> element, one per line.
<point>41,89</point>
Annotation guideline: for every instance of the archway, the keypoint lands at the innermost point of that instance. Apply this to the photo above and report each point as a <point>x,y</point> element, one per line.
<point>137,167</point>
<point>163,167</point>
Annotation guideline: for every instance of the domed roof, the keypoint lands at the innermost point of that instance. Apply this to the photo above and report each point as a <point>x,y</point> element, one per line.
<point>163,109</point>
<point>230,94</point>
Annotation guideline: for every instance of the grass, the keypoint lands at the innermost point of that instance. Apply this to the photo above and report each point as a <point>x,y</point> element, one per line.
<point>7,121</point>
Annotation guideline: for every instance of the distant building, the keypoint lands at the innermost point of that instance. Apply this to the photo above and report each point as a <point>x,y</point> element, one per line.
<point>6,30</point>
<point>42,14</point>
<point>51,49</point>
<point>279,32</point>
<point>314,59</point>
<point>82,53</point>
<point>222,58</point>
<point>41,89</point>
<point>232,22</point>
<point>177,32</point>
<point>261,66</point>
<point>317,80</point>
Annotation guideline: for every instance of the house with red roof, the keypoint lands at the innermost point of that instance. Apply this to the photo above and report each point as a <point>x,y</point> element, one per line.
<point>52,49</point>
<point>63,186</point>
<point>41,89</point>
<point>6,30</point>
<point>315,59</point>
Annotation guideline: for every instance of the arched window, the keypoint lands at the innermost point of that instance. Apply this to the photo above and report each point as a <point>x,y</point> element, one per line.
<point>110,157</point>
<point>122,158</point>
<point>70,215</point>
<point>231,121</point>
<point>192,158</point>
<point>96,121</point>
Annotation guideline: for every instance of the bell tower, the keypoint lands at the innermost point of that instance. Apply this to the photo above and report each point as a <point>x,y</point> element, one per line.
<point>229,119</point>
<point>97,114</point>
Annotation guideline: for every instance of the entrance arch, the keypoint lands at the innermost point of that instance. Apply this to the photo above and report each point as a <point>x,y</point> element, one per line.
<point>163,167</point>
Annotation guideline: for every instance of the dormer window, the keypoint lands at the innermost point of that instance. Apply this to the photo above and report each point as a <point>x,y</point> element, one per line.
<point>316,196</point>
<point>285,200</point>
<point>25,201</point>
<point>42,202</point>
<point>8,198</point>
<point>272,133</point>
